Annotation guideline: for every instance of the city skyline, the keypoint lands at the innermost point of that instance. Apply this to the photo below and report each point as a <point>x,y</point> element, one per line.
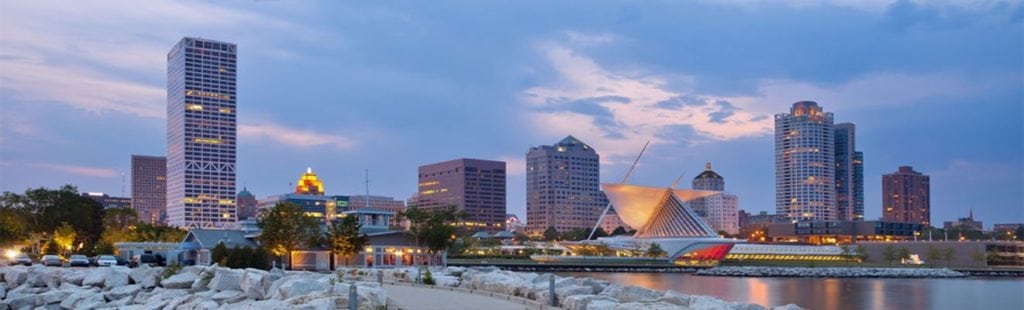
<point>602,76</point>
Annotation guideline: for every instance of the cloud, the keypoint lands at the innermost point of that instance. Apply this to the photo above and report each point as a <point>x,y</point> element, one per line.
<point>117,63</point>
<point>514,165</point>
<point>589,39</point>
<point>293,137</point>
<point>616,112</point>
<point>72,169</point>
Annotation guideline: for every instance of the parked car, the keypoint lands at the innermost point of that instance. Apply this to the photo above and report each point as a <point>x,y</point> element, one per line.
<point>22,259</point>
<point>78,261</point>
<point>148,259</point>
<point>52,260</point>
<point>106,260</point>
<point>121,261</point>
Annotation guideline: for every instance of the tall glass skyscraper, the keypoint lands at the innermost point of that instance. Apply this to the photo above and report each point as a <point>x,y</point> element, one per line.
<point>805,167</point>
<point>563,187</point>
<point>149,187</point>
<point>849,174</point>
<point>201,79</point>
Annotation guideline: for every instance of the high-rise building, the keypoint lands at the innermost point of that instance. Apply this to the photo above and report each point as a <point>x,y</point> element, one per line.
<point>246,204</point>
<point>395,206</point>
<point>849,174</point>
<point>721,211</point>
<point>906,197</point>
<point>149,187</point>
<point>563,187</point>
<point>201,131</point>
<point>309,195</point>
<point>474,186</point>
<point>805,164</point>
<point>309,184</point>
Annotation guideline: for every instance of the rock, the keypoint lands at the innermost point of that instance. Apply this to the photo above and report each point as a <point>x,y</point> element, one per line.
<point>627,294</point>
<point>39,275</point>
<point>117,277</point>
<point>651,306</point>
<point>580,302</point>
<point>597,286</point>
<point>96,277</point>
<point>787,307</point>
<point>181,280</point>
<point>15,275</point>
<point>24,290</point>
<point>332,302</point>
<point>225,279</point>
<point>55,296</point>
<point>228,297</point>
<point>707,302</point>
<point>262,305</point>
<point>675,298</point>
<point>122,302</point>
<point>181,301</point>
<point>143,275</point>
<point>600,304</point>
<point>74,277</point>
<point>255,283</point>
<point>3,291</point>
<point>276,274</point>
<point>119,292</point>
<point>84,299</point>
<point>442,280</point>
<point>291,287</point>
<point>23,302</point>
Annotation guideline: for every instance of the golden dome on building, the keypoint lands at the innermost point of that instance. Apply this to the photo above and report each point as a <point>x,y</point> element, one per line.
<point>309,184</point>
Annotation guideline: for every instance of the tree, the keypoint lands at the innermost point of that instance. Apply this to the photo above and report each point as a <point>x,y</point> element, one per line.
<point>65,236</point>
<point>439,230</point>
<point>862,252</point>
<point>978,257</point>
<point>846,253</point>
<point>947,255</point>
<point>932,254</point>
<point>550,233</point>
<point>889,254</point>
<point>119,218</point>
<point>619,231</point>
<point>42,210</point>
<point>344,238</point>
<point>219,254</point>
<point>51,248</point>
<point>285,228</point>
<point>654,251</point>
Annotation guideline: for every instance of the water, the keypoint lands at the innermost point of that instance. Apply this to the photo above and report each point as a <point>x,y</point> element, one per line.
<point>817,293</point>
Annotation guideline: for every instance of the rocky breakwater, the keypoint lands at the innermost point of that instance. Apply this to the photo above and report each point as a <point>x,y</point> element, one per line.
<point>570,293</point>
<point>830,272</point>
<point>193,287</point>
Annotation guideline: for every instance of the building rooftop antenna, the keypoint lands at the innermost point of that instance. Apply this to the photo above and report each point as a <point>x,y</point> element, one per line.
<point>367,188</point>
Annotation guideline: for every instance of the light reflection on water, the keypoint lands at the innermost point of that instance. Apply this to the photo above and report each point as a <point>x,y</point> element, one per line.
<point>817,293</point>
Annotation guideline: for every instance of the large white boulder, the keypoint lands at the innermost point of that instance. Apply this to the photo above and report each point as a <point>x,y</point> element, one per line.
<point>580,302</point>
<point>38,275</point>
<point>652,306</point>
<point>223,297</point>
<point>74,277</point>
<point>181,280</point>
<point>117,277</point>
<point>3,291</point>
<point>140,274</point>
<point>269,304</point>
<point>54,296</point>
<point>119,292</point>
<point>22,302</point>
<point>85,299</point>
<point>627,294</point>
<point>15,275</point>
<point>255,283</point>
<point>787,307</point>
<point>225,279</point>
<point>297,286</point>
<point>96,277</point>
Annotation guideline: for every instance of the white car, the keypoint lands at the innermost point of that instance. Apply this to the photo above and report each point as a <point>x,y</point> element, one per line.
<point>106,261</point>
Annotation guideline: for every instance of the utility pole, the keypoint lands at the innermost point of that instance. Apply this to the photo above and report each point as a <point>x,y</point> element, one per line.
<point>367,188</point>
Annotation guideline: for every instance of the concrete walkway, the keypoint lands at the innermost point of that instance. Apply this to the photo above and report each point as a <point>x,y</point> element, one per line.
<point>414,298</point>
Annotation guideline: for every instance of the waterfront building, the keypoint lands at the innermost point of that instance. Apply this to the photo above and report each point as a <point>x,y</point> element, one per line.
<point>563,187</point>
<point>662,216</point>
<point>965,222</point>
<point>201,134</point>
<point>149,187</point>
<point>474,186</point>
<point>390,204</point>
<point>246,204</point>
<point>842,232</point>
<point>906,197</point>
<point>805,164</point>
<point>849,174</point>
<point>109,202</point>
<point>1003,228</point>
<point>719,211</point>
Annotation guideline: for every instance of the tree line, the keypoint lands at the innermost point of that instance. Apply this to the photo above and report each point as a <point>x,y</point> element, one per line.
<point>286,228</point>
<point>62,221</point>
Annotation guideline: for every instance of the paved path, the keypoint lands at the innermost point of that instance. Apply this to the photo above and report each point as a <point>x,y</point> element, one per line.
<point>414,298</point>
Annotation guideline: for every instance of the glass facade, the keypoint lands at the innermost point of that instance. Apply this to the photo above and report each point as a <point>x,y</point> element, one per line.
<point>201,132</point>
<point>849,174</point>
<point>563,187</point>
<point>805,164</point>
<point>149,187</point>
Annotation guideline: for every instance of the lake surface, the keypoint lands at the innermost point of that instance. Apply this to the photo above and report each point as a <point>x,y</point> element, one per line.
<point>817,293</point>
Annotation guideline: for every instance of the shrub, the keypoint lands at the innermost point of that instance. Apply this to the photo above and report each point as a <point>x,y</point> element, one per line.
<point>428,279</point>
<point>171,270</point>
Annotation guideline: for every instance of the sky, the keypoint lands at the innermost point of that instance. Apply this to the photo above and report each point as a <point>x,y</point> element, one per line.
<point>348,87</point>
